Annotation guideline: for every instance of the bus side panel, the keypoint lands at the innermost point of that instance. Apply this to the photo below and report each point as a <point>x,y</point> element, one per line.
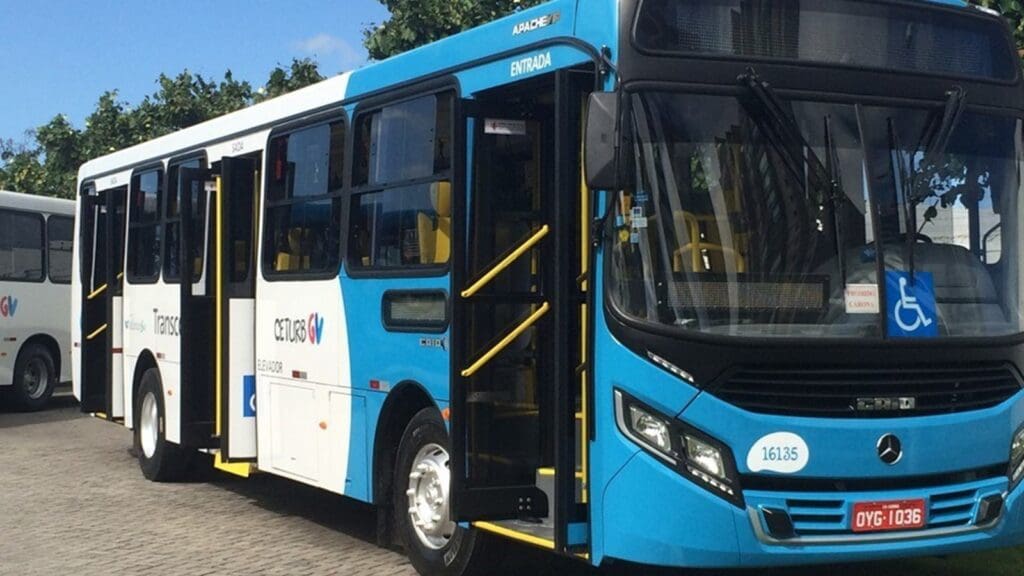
<point>30,309</point>
<point>152,324</point>
<point>74,317</point>
<point>304,402</point>
<point>383,360</point>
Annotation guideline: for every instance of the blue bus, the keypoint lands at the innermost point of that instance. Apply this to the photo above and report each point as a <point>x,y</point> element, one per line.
<point>705,283</point>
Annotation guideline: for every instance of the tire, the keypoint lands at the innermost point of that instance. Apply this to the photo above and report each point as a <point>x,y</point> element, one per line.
<point>160,460</point>
<point>439,548</point>
<point>35,377</point>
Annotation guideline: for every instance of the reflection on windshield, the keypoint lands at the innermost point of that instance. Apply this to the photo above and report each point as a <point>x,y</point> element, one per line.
<point>725,232</point>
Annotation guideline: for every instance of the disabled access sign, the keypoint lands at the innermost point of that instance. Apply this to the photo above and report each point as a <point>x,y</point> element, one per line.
<point>911,305</point>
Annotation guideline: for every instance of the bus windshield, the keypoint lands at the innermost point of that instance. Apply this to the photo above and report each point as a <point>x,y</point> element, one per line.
<point>728,229</point>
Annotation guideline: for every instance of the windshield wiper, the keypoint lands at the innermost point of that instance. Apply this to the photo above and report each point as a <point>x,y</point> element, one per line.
<point>784,134</point>
<point>937,135</point>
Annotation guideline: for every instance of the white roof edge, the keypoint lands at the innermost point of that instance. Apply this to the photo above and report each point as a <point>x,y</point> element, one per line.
<point>321,94</point>
<point>20,201</point>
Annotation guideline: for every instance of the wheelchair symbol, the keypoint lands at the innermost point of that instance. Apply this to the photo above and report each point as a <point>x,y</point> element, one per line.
<point>909,304</point>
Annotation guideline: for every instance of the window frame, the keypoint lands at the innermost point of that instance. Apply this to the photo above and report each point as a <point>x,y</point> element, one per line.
<point>130,276</point>
<point>333,116</point>
<point>44,261</point>
<point>178,162</point>
<point>354,191</point>
<point>49,261</point>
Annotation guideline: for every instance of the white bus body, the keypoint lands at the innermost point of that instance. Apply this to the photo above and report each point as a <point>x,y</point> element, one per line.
<point>36,236</point>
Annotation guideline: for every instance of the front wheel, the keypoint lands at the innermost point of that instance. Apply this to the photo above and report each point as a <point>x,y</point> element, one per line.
<point>435,544</point>
<point>160,460</point>
<point>35,376</point>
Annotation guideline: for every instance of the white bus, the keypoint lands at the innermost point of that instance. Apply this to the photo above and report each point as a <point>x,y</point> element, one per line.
<point>35,297</point>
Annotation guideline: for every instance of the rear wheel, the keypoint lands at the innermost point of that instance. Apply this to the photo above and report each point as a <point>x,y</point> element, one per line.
<point>435,544</point>
<point>35,376</point>
<point>160,460</point>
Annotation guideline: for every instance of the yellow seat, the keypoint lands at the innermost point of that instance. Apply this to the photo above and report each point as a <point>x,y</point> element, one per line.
<point>435,230</point>
<point>293,259</point>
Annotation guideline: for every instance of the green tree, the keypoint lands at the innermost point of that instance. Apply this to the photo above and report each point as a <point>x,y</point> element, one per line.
<point>1013,11</point>
<point>47,162</point>
<point>417,22</point>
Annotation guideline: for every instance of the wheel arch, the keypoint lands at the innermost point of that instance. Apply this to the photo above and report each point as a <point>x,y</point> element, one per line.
<point>403,402</point>
<point>145,361</point>
<point>52,346</point>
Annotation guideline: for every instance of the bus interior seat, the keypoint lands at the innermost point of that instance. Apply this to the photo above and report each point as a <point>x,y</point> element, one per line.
<point>434,230</point>
<point>294,258</point>
<point>704,250</point>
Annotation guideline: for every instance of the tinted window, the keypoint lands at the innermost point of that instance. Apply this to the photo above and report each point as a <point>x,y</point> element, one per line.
<point>405,141</point>
<point>863,34</point>
<point>59,234</point>
<point>172,222</point>
<point>302,233</point>
<point>401,227</point>
<point>144,226</point>
<point>21,246</point>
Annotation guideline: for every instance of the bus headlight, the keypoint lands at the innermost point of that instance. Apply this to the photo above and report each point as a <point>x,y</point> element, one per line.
<point>1017,459</point>
<point>693,454</point>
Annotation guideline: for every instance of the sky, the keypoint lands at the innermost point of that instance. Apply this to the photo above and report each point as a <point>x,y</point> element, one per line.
<point>59,56</point>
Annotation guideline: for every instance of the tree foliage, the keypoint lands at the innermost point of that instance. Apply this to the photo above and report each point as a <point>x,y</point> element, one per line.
<point>47,163</point>
<point>417,22</point>
<point>1013,11</point>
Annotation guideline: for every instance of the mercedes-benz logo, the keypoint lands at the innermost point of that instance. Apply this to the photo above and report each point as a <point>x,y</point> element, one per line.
<point>890,449</point>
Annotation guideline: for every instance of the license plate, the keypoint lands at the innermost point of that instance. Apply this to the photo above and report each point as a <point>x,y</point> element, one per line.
<point>888,516</point>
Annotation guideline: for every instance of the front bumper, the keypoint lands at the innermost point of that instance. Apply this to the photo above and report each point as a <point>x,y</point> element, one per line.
<point>654,516</point>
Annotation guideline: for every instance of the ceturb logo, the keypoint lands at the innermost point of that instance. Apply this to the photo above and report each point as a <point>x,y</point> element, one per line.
<point>8,307</point>
<point>300,330</point>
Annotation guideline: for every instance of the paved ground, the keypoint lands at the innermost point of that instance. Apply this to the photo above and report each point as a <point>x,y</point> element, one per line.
<point>72,501</point>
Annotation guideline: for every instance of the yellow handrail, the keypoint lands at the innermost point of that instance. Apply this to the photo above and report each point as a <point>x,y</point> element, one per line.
<point>506,340</point>
<point>508,261</point>
<point>98,331</point>
<point>97,292</point>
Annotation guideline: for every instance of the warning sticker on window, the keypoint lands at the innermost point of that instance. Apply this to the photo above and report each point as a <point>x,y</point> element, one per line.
<point>862,299</point>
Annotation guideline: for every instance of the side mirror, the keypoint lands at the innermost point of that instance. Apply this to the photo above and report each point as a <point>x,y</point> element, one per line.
<point>602,142</point>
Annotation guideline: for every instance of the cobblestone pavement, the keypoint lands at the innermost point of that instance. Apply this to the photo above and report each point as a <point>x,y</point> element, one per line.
<point>73,502</point>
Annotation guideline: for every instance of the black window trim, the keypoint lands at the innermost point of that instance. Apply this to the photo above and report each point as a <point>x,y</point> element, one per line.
<point>130,277</point>
<point>375,105</point>
<point>331,116</point>
<point>413,327</point>
<point>44,260</point>
<point>49,271</point>
<point>85,188</point>
<point>963,12</point>
<point>176,162</point>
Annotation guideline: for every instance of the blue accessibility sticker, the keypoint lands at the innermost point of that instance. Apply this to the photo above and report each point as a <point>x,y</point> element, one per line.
<point>249,396</point>
<point>911,302</point>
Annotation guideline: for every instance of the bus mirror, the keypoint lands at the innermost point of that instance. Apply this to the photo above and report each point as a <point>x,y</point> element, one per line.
<point>602,146</point>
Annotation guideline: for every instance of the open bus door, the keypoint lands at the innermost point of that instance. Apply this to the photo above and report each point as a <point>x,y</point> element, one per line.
<point>102,241</point>
<point>516,317</point>
<point>219,209</point>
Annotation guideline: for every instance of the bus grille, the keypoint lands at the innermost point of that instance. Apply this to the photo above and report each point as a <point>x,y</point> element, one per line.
<point>868,393</point>
<point>831,517</point>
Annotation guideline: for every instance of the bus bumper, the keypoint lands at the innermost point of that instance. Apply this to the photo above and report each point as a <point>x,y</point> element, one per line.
<point>670,521</point>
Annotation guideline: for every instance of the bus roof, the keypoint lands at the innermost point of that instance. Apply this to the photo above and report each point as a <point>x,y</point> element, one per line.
<point>421,63</point>
<point>416,64</point>
<point>33,203</point>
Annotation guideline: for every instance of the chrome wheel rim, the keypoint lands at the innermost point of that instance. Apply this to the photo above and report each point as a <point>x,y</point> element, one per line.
<point>36,378</point>
<point>429,482</point>
<point>149,428</point>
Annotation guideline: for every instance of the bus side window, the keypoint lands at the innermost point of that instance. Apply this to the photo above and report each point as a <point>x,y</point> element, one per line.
<point>302,234</point>
<point>395,224</point>
<point>21,246</point>
<point>144,227</point>
<point>59,234</point>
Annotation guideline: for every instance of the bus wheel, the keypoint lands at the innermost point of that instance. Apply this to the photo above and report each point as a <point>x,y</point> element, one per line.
<point>160,460</point>
<point>434,543</point>
<point>35,376</point>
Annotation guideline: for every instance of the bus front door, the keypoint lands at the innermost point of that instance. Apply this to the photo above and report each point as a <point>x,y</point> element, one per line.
<point>102,238</point>
<point>513,275</point>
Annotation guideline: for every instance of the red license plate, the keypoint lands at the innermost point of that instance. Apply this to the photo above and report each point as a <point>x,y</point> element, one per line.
<point>887,516</point>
